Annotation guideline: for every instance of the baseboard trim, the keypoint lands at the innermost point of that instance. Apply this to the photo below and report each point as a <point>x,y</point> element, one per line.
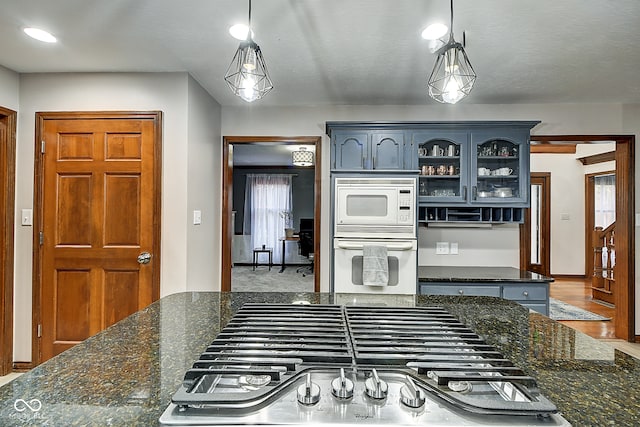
<point>22,366</point>
<point>569,276</point>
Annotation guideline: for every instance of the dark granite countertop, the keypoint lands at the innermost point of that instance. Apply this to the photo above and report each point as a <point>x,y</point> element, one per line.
<point>479,275</point>
<point>126,375</point>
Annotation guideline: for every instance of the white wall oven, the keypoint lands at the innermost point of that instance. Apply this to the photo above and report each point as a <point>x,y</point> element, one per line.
<point>375,219</point>
<point>349,262</point>
<point>375,207</point>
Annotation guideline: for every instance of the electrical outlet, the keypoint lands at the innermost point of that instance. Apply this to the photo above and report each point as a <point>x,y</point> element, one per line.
<point>197,217</point>
<point>442,248</point>
<point>454,248</point>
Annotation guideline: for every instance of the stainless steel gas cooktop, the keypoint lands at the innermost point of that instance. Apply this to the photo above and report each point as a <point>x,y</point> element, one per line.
<point>329,364</point>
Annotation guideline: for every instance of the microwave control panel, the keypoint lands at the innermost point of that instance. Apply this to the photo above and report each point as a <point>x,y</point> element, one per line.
<point>405,205</point>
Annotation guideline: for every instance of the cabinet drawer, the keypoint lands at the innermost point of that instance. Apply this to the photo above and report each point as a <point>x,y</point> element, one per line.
<point>525,292</point>
<point>473,290</point>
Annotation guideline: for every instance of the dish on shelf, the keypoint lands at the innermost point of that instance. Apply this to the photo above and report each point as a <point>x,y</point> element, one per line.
<point>503,192</point>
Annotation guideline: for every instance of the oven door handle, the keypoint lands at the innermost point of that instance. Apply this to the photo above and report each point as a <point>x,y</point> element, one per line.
<point>391,247</point>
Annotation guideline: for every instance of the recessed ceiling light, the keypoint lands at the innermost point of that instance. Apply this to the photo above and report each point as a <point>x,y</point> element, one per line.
<point>40,35</point>
<point>434,31</point>
<point>239,31</point>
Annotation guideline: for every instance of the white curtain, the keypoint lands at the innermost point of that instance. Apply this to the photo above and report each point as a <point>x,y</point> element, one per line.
<point>605,200</point>
<point>267,196</point>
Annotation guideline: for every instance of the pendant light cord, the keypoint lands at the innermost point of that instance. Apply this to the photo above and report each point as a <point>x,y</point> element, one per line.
<point>250,16</point>
<point>451,30</point>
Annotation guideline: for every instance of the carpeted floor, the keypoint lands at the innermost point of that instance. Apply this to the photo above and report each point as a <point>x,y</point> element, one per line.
<point>244,279</point>
<point>559,310</point>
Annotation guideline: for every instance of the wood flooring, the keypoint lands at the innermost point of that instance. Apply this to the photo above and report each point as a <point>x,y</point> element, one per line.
<point>578,292</point>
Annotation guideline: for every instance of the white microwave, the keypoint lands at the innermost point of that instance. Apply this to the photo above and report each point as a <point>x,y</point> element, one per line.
<point>375,207</point>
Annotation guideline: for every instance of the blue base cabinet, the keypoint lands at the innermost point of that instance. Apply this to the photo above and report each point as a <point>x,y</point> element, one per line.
<point>534,296</point>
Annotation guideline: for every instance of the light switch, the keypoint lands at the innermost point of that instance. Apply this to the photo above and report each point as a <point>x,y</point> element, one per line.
<point>442,248</point>
<point>197,217</point>
<point>27,217</point>
<point>565,216</point>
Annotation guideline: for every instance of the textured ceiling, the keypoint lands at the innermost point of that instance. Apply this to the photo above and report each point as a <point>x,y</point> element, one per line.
<point>344,52</point>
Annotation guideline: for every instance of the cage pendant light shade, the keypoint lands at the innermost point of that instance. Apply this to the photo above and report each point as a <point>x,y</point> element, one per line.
<point>247,75</point>
<point>302,157</point>
<point>453,76</point>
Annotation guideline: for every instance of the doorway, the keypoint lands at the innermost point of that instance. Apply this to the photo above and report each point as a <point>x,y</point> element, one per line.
<point>535,232</point>
<point>599,210</point>
<point>227,199</point>
<point>625,221</point>
<point>97,223</point>
<point>7,203</point>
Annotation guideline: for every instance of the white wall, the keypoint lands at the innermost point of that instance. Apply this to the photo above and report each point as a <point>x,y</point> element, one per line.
<point>568,203</point>
<point>204,188</point>
<point>173,94</point>
<point>567,210</point>
<point>497,246</point>
<point>9,85</point>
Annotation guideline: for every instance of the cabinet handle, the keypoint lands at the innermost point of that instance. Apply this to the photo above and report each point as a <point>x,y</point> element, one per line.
<point>474,191</point>
<point>460,291</point>
<point>525,293</point>
<point>464,192</point>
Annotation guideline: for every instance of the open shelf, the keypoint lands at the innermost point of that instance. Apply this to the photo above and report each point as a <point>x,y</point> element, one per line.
<point>487,215</point>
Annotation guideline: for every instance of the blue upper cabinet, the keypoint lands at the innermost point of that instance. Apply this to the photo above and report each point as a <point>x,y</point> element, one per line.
<point>499,169</point>
<point>443,156</point>
<point>351,150</point>
<point>359,148</point>
<point>388,150</point>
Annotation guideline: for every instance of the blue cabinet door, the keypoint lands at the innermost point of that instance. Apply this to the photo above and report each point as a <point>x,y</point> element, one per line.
<point>388,151</point>
<point>443,162</point>
<point>351,150</point>
<point>499,169</point>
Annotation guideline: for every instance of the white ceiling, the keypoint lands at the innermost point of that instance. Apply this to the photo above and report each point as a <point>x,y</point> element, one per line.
<point>344,52</point>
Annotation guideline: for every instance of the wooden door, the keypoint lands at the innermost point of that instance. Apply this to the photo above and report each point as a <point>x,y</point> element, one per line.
<point>99,211</point>
<point>535,233</point>
<point>7,202</point>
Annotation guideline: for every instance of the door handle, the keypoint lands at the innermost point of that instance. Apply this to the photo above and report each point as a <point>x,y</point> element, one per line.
<point>144,258</point>
<point>396,247</point>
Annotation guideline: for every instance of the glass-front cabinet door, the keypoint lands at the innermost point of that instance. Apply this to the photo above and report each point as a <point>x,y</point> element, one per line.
<point>499,168</point>
<point>442,160</point>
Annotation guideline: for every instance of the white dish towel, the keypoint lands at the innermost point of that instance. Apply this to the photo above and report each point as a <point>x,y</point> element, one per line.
<point>375,266</point>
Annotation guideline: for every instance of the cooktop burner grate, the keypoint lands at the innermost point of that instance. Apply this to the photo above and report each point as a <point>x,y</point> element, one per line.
<point>269,354</point>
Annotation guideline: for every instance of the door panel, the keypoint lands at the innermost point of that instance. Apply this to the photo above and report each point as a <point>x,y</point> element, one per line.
<point>100,198</point>
<point>535,232</point>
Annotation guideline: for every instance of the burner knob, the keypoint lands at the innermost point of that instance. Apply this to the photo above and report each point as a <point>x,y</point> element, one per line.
<point>309,392</point>
<point>410,395</point>
<point>375,387</point>
<point>342,387</point>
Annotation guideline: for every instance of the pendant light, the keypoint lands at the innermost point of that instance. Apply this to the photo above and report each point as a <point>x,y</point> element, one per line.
<point>452,77</point>
<point>302,157</point>
<point>247,74</point>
